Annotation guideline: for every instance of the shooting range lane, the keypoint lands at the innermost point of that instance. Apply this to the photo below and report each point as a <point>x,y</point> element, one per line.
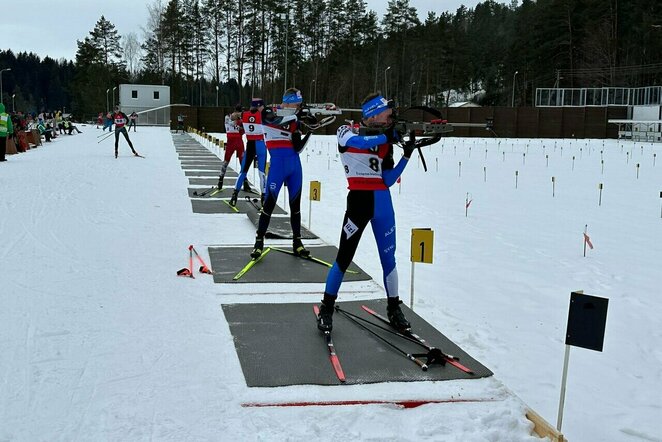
<point>279,226</point>
<point>290,351</point>
<point>277,266</point>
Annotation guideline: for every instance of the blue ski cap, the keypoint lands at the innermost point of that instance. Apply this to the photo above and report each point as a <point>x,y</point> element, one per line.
<point>376,106</point>
<point>257,102</point>
<point>293,98</point>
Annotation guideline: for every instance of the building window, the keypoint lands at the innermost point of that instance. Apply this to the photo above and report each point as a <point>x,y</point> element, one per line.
<point>134,94</point>
<point>156,95</point>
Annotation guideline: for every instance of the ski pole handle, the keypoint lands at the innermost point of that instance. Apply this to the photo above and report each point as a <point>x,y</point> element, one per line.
<point>418,362</point>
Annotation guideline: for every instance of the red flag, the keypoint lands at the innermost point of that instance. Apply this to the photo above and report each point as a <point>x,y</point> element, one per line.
<point>587,240</point>
<point>468,204</point>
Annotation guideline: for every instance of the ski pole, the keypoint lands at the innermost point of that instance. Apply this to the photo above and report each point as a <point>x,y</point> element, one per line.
<point>104,138</point>
<point>409,356</point>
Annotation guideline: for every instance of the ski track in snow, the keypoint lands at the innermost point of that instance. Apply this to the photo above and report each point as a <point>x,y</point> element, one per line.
<point>101,341</point>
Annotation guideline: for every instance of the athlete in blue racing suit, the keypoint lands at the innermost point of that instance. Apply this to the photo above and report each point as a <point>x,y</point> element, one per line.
<point>370,171</point>
<point>284,142</point>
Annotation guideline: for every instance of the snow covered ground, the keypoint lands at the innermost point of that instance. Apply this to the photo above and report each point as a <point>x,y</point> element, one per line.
<point>99,340</point>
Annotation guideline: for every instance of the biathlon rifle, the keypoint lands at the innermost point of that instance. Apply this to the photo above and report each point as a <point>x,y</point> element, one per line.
<point>424,133</point>
<point>314,116</point>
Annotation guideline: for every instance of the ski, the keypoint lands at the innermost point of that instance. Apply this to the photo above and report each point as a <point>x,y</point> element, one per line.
<point>453,360</point>
<point>311,258</point>
<point>250,264</point>
<point>333,357</point>
<point>195,192</point>
<point>215,191</point>
<point>138,155</point>
<point>231,206</point>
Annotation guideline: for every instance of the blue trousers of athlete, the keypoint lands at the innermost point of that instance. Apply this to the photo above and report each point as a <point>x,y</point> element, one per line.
<point>363,207</point>
<point>286,169</point>
<point>253,148</point>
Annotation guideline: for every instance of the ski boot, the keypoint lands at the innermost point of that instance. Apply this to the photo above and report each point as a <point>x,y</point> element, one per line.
<point>220,182</point>
<point>299,249</point>
<point>233,198</point>
<point>395,315</point>
<point>115,153</point>
<point>247,187</point>
<point>325,317</point>
<point>257,248</point>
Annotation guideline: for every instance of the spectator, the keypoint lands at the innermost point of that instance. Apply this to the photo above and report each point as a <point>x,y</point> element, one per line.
<point>6,129</point>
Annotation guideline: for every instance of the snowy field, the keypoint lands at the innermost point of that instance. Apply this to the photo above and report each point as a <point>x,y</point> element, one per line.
<point>99,340</point>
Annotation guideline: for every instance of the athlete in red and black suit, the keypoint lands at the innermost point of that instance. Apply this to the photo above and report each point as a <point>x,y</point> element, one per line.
<point>120,120</point>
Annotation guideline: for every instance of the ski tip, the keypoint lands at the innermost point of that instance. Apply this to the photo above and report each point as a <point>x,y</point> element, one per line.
<point>368,309</point>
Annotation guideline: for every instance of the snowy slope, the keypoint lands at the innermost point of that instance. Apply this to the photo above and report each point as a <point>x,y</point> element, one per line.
<point>100,339</point>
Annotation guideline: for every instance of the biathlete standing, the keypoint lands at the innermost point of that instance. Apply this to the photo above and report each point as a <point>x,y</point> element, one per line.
<point>252,122</point>
<point>235,142</point>
<point>284,142</point>
<point>370,171</point>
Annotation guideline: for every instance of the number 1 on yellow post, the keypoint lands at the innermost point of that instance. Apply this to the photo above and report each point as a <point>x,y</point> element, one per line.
<point>422,244</point>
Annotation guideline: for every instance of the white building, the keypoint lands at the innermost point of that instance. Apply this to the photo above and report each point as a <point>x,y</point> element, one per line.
<point>150,102</point>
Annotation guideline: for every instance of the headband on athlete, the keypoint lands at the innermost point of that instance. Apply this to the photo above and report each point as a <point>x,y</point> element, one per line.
<point>257,102</point>
<point>293,98</point>
<point>376,106</point>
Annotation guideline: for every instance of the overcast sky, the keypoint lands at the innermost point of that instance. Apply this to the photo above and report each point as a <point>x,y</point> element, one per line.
<point>52,28</point>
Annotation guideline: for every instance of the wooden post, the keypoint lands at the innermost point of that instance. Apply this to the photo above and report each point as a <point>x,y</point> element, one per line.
<point>459,170</point>
<point>637,170</point>
<point>516,176</point>
<point>553,187</point>
<point>600,200</point>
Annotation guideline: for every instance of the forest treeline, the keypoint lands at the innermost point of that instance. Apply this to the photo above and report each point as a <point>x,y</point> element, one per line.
<point>339,51</point>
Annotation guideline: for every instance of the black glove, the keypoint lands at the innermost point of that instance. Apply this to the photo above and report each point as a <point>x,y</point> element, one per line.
<point>409,146</point>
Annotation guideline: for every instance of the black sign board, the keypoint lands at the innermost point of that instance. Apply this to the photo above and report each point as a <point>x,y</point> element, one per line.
<point>586,321</point>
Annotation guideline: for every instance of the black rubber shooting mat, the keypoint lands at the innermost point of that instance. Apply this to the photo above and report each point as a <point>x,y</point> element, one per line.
<point>279,226</point>
<point>279,345</point>
<point>213,205</point>
<point>209,181</point>
<point>209,161</point>
<point>226,192</point>
<point>277,267</point>
<point>216,168</point>
<point>201,173</point>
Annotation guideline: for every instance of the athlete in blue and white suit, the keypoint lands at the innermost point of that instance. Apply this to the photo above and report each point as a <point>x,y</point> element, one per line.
<point>370,171</point>
<point>284,141</point>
